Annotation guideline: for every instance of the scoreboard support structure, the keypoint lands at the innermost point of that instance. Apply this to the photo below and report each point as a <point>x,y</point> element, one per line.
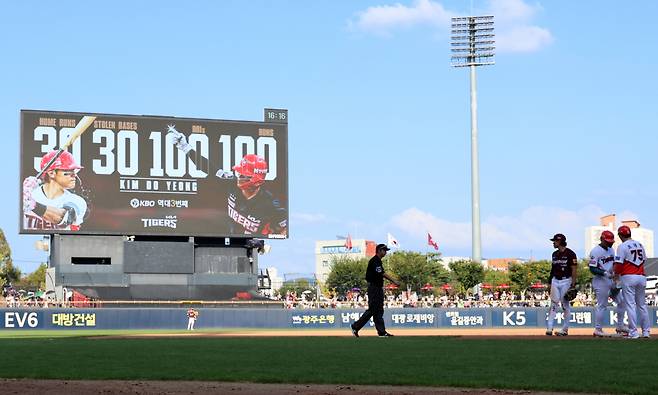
<point>153,267</point>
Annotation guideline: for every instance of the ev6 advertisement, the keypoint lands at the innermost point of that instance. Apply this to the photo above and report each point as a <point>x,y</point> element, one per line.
<point>108,174</point>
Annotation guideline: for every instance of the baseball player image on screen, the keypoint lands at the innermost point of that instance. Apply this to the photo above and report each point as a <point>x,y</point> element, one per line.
<point>252,208</point>
<point>48,202</point>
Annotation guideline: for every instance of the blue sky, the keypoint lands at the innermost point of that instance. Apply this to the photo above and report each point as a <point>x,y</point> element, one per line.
<point>379,122</point>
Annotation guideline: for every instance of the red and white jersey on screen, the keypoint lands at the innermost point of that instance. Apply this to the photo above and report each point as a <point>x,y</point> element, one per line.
<point>33,221</point>
<point>630,258</point>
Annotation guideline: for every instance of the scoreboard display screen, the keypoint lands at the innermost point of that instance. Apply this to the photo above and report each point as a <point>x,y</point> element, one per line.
<point>86,173</point>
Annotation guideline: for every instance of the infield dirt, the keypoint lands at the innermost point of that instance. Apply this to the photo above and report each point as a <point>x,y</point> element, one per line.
<point>498,333</point>
<point>67,387</point>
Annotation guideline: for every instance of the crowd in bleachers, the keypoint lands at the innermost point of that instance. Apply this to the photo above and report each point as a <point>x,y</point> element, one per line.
<point>14,298</point>
<point>19,298</point>
<point>412,299</point>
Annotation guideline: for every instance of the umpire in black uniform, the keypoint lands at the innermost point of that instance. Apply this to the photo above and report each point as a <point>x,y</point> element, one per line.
<point>375,277</point>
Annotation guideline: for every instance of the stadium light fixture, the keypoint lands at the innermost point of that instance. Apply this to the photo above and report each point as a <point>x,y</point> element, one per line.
<point>473,44</point>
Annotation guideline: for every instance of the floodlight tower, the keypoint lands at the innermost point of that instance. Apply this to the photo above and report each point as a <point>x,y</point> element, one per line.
<point>472,42</point>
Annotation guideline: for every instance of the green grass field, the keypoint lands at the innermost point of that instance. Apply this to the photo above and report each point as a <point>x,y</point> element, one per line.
<point>576,365</point>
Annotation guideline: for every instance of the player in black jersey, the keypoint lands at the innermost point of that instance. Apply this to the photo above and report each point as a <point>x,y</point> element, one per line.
<point>253,209</point>
<point>562,278</point>
<point>375,276</point>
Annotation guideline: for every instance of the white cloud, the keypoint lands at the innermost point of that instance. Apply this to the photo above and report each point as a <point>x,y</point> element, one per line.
<point>530,230</point>
<point>416,223</point>
<point>534,226</point>
<point>515,31</point>
<point>384,18</point>
<point>511,11</point>
<point>523,39</point>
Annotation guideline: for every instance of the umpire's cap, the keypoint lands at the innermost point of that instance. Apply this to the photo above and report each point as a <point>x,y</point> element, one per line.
<point>559,237</point>
<point>382,247</point>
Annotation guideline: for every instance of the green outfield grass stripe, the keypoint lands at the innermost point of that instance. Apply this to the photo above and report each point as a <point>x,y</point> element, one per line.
<point>600,366</point>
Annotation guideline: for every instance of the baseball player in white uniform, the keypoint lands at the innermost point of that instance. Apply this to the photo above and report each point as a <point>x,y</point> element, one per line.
<point>192,316</point>
<point>48,203</point>
<point>601,261</point>
<point>629,265</point>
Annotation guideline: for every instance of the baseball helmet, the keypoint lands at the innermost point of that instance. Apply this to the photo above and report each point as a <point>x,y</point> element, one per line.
<point>608,236</point>
<point>254,167</point>
<point>65,161</point>
<point>624,231</point>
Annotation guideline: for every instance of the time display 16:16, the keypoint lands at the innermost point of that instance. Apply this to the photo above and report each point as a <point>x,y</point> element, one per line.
<point>119,152</point>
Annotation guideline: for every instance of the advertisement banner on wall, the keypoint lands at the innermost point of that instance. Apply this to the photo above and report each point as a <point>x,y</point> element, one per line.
<point>340,319</point>
<point>153,175</point>
<point>465,318</point>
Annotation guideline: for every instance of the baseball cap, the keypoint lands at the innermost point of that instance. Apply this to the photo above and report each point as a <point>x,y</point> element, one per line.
<point>606,235</point>
<point>559,237</point>
<point>382,247</point>
<point>624,231</point>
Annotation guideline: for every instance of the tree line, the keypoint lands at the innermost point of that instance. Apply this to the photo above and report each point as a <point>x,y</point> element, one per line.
<point>10,274</point>
<point>415,270</point>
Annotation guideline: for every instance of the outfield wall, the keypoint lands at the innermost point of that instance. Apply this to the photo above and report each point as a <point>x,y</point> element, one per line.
<point>209,318</point>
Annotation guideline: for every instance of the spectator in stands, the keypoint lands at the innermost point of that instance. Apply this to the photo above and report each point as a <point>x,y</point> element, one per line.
<point>413,300</point>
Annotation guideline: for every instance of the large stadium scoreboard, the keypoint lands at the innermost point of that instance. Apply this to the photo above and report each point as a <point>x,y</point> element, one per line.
<point>153,175</point>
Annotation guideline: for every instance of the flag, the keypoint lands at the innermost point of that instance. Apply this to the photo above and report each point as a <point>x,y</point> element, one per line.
<point>348,242</point>
<point>392,241</point>
<point>431,241</point>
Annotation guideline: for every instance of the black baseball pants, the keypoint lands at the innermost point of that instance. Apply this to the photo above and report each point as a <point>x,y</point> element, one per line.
<point>375,310</point>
